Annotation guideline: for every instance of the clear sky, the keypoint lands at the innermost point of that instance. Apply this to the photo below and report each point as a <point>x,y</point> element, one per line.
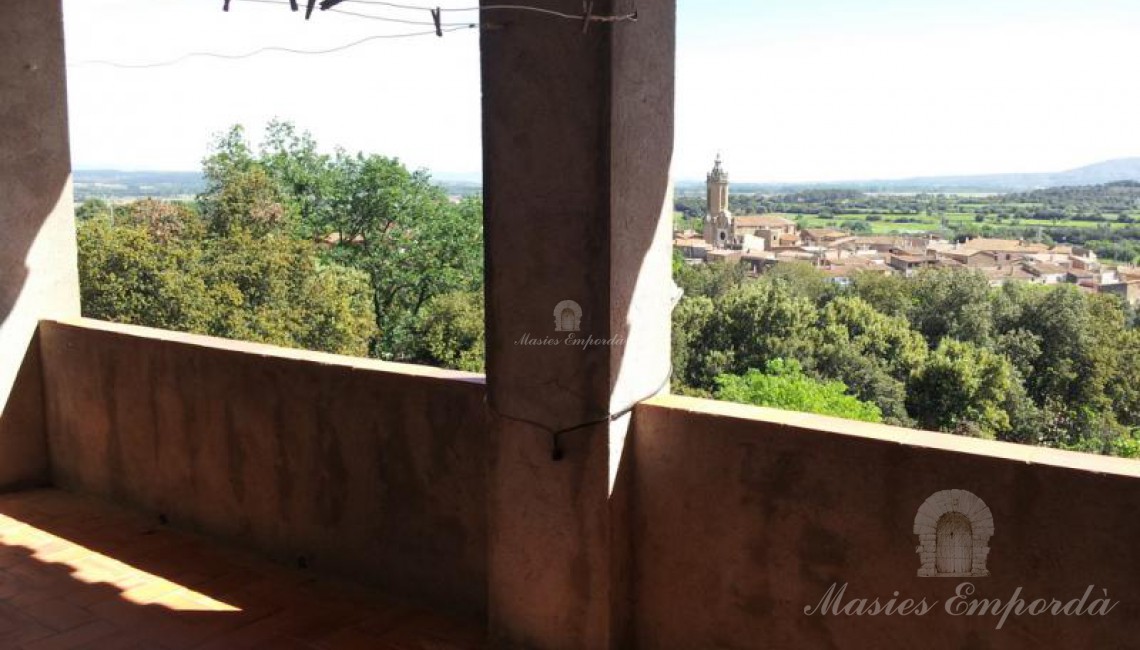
<point>787,89</point>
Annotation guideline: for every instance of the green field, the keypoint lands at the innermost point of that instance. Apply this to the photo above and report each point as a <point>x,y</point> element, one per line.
<point>925,222</point>
<point>914,223</point>
<point>1105,218</point>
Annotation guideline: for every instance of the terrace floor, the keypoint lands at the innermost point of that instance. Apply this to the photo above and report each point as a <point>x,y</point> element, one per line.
<point>76,572</point>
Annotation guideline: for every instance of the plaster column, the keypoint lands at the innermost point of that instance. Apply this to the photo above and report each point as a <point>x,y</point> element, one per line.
<point>578,140</point>
<point>37,231</point>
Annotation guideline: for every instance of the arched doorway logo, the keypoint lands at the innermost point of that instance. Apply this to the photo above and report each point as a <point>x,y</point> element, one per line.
<point>954,529</point>
<point>567,317</point>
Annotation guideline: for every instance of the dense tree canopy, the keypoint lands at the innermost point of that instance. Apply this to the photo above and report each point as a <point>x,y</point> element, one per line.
<point>783,384</point>
<point>159,267</point>
<point>944,351</point>
<point>290,246</point>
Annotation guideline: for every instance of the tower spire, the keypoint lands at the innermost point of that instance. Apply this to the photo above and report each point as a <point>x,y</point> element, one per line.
<point>718,220</point>
<point>718,174</point>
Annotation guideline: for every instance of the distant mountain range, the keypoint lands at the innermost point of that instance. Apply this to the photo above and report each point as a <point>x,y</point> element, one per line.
<point>122,184</point>
<point>1109,171</point>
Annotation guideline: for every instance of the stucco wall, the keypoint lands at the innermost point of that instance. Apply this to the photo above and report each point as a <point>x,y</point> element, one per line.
<point>743,517</point>
<point>370,470</point>
<point>577,143</point>
<point>38,277</point>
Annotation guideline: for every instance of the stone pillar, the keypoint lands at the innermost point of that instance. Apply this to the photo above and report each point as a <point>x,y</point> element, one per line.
<point>37,231</point>
<point>578,139</point>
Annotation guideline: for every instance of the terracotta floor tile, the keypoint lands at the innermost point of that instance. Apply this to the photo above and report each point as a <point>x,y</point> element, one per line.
<point>76,637</point>
<point>348,639</point>
<point>59,614</point>
<point>255,634</point>
<point>76,572</point>
<point>123,641</point>
<point>288,643</point>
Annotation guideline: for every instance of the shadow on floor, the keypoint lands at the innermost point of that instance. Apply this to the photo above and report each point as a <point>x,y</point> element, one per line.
<point>76,572</point>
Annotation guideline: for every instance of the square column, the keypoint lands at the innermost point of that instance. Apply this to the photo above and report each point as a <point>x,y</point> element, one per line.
<point>38,277</point>
<point>578,141</point>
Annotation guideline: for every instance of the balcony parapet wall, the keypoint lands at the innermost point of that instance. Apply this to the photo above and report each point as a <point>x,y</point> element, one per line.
<point>371,470</point>
<point>743,517</point>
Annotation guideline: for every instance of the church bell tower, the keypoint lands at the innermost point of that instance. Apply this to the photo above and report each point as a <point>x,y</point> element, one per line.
<point>718,220</point>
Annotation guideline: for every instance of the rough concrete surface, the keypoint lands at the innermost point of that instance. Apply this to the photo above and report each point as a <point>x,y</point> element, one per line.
<point>353,468</point>
<point>578,139</point>
<point>38,276</point>
<point>741,522</point>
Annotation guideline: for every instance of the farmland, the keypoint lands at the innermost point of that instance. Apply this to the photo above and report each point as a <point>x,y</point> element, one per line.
<point>1104,217</point>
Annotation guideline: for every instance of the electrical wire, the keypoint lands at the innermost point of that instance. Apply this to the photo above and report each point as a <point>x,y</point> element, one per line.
<point>405,7</point>
<point>425,23</point>
<point>557,14</point>
<point>541,10</point>
<point>557,453</point>
<point>345,12</point>
<point>440,29</point>
<point>395,5</point>
<point>263,50</point>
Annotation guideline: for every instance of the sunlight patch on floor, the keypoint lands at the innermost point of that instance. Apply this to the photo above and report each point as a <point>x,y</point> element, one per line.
<point>91,567</point>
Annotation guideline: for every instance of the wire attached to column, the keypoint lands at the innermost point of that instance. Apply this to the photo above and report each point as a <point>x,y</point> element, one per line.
<point>557,453</point>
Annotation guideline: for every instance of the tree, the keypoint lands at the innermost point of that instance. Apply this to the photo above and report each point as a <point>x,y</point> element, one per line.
<point>414,244</point>
<point>803,280</point>
<point>889,294</point>
<point>1077,351</point>
<point>128,276</point>
<point>1124,388</point>
<point>164,221</point>
<point>1023,349</point>
<point>784,385</point>
<point>390,223</point>
<point>693,361</point>
<point>305,175</point>
<point>709,280</point>
<point>240,192</point>
<point>952,303</point>
<point>866,378</point>
<point>740,330</point>
<point>275,289</point>
<point>157,265</point>
<point>93,208</point>
<point>450,331</point>
<point>762,321</point>
<point>963,388</point>
<point>874,354</point>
